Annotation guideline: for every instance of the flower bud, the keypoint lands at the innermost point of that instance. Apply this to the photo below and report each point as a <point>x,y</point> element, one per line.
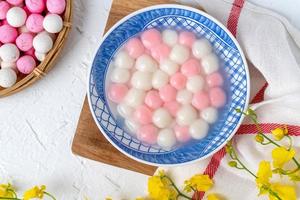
<point>232,164</point>
<point>259,138</point>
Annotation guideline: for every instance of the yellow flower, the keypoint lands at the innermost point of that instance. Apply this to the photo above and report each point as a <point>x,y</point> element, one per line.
<point>159,188</point>
<point>139,198</point>
<point>199,182</point>
<point>279,133</point>
<point>35,192</point>
<point>6,190</point>
<point>213,197</point>
<point>281,156</point>
<point>264,173</point>
<point>285,192</point>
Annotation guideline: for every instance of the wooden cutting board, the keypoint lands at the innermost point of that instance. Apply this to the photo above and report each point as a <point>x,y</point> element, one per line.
<point>88,140</point>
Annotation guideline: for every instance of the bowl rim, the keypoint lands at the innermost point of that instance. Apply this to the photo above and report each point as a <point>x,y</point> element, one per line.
<point>189,8</point>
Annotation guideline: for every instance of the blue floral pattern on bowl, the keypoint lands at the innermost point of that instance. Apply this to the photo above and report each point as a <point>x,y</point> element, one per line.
<point>180,18</point>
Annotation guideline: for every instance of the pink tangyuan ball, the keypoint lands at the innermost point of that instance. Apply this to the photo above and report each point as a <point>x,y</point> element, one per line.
<point>151,38</point>
<point>160,52</point>
<point>56,6</point>
<point>4,7</point>
<point>201,100</point>
<point>191,67</point>
<point>8,34</point>
<point>178,81</point>
<point>26,64</point>
<point>167,93</point>
<point>143,115</point>
<point>15,2</point>
<point>34,23</point>
<point>117,92</point>
<point>217,97</point>
<point>135,48</point>
<point>24,41</point>
<point>215,79</point>
<point>187,38</point>
<point>148,133</point>
<point>182,133</point>
<point>35,6</point>
<point>153,99</point>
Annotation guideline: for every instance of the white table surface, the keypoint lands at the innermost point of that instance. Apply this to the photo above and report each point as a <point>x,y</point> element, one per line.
<point>37,125</point>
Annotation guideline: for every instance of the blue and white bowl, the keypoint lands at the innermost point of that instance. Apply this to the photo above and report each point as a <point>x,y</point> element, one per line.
<point>180,18</point>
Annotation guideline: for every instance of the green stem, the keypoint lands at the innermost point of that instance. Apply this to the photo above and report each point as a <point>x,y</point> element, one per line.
<point>265,143</point>
<point>9,198</point>
<point>273,193</point>
<point>296,162</point>
<point>289,172</point>
<point>13,192</point>
<point>269,139</point>
<point>50,195</point>
<point>290,141</point>
<point>176,188</point>
<point>241,163</point>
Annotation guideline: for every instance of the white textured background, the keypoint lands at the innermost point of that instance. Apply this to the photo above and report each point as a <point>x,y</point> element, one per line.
<point>38,124</point>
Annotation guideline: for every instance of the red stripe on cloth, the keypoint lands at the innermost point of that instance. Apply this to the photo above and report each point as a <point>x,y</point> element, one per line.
<point>267,128</point>
<point>234,16</point>
<point>211,169</point>
<point>260,95</point>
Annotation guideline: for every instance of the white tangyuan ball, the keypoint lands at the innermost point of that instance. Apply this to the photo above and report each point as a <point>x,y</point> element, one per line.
<point>120,75</point>
<point>142,80</point>
<point>52,35</point>
<point>195,83</point>
<point>210,63</point>
<point>53,23</point>
<point>186,115</point>
<point>199,129</point>
<point>132,126</point>
<point>146,63</point>
<point>166,139</point>
<point>201,48</point>
<point>184,96</point>
<point>162,118</point>
<point>8,77</point>
<point>123,60</point>
<point>124,110</point>
<point>170,37</point>
<point>7,64</point>
<point>16,17</point>
<point>9,52</point>
<point>11,65</point>
<point>42,43</point>
<point>135,97</point>
<point>210,115</point>
<point>169,66</point>
<point>159,79</point>
<point>179,54</point>
<point>40,56</point>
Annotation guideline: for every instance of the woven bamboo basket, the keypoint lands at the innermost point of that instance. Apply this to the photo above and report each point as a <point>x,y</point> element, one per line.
<point>41,70</point>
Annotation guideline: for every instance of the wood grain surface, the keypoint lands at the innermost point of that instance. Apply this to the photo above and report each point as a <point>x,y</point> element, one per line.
<point>88,141</point>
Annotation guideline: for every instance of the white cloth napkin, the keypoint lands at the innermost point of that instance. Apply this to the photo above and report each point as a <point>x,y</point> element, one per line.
<point>272,45</point>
